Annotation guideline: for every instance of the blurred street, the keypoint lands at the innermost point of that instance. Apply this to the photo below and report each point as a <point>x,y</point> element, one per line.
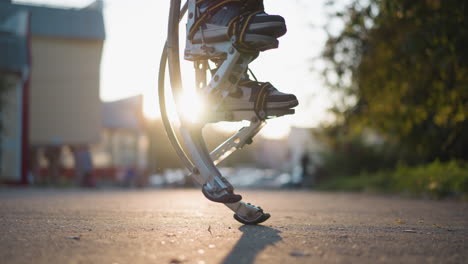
<point>181,226</point>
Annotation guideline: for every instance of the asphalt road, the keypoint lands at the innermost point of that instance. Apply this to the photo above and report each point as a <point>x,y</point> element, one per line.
<point>181,226</point>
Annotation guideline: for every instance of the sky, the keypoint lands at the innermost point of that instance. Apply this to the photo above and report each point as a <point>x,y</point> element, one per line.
<point>136,32</point>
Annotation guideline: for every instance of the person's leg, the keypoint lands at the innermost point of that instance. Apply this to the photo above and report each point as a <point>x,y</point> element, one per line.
<point>221,20</point>
<point>254,31</point>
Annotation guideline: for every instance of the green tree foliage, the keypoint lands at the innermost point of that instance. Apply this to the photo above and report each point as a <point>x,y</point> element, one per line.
<point>436,180</point>
<point>406,64</point>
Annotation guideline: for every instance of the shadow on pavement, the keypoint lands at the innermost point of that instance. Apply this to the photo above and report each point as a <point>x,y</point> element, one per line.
<point>254,239</point>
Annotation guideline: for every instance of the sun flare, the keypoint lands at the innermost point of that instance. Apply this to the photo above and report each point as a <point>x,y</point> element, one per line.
<point>192,107</point>
<point>190,104</point>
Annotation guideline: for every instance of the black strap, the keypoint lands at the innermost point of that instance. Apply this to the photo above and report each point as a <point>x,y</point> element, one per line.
<point>205,15</point>
<point>237,26</point>
<point>260,104</point>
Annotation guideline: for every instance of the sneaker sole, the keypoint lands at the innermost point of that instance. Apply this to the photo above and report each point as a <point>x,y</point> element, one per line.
<point>218,33</point>
<point>250,105</point>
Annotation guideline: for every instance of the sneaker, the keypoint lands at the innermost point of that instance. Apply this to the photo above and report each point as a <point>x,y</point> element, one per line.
<point>258,96</point>
<point>220,24</point>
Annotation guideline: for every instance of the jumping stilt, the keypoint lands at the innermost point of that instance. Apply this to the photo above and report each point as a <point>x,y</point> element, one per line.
<point>232,61</point>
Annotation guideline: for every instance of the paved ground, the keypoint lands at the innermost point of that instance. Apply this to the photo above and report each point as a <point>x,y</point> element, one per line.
<point>50,226</point>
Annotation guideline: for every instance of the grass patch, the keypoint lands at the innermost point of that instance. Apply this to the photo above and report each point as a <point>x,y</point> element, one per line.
<point>436,180</point>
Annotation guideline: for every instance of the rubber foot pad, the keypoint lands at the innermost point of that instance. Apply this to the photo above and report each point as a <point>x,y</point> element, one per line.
<point>262,218</point>
<point>227,198</point>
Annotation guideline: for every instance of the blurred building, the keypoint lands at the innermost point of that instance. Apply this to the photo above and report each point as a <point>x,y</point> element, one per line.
<point>271,153</point>
<point>58,91</point>
<point>14,79</point>
<point>121,154</point>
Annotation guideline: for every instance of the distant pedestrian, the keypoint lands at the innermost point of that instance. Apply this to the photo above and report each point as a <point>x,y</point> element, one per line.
<point>53,154</point>
<point>305,160</point>
<point>83,166</point>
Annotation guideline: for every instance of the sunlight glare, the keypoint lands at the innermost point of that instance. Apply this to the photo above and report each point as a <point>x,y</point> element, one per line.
<point>150,108</point>
<point>276,129</point>
<point>191,106</point>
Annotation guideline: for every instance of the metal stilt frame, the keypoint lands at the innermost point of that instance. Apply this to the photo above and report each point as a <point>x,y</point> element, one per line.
<point>193,152</point>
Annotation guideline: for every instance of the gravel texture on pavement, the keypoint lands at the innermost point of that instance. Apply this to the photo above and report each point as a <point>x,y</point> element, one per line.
<point>181,226</point>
